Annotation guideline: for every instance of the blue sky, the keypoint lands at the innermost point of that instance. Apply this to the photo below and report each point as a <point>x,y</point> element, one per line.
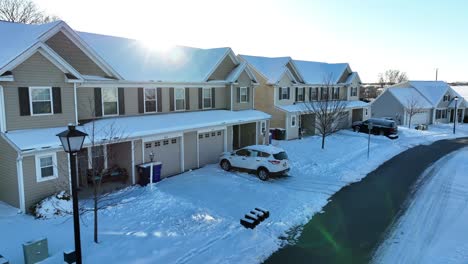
<point>413,36</point>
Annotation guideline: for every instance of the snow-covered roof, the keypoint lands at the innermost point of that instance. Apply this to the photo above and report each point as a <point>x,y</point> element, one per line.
<point>462,91</point>
<point>406,95</point>
<point>319,72</point>
<point>308,106</point>
<point>135,127</point>
<point>17,38</point>
<point>266,148</point>
<point>351,78</point>
<point>271,68</point>
<point>434,91</point>
<point>135,61</point>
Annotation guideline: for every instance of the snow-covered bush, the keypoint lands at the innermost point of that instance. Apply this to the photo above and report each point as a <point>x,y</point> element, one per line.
<point>59,204</point>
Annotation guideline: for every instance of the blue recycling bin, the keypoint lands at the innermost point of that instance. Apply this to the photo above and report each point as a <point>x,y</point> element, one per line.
<point>144,171</point>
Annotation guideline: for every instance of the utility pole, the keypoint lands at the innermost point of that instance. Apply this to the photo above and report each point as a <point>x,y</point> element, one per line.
<point>437,74</point>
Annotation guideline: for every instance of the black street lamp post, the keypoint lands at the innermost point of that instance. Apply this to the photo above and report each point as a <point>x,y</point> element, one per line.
<point>72,142</point>
<point>455,114</point>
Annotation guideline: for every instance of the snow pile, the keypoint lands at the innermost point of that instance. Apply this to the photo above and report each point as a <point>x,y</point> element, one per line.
<point>59,204</point>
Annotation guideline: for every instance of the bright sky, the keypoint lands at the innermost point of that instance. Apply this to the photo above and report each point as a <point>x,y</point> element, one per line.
<point>416,36</point>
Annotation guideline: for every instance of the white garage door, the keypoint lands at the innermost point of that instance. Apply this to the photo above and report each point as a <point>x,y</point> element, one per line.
<point>419,119</point>
<point>211,145</point>
<point>167,151</point>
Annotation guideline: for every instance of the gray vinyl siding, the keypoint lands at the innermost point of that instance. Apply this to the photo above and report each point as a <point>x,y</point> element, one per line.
<point>120,155</point>
<point>74,55</point>
<point>165,100</point>
<point>223,70</point>
<point>220,98</point>
<point>244,81</point>
<point>131,101</point>
<point>387,105</point>
<point>36,191</point>
<point>85,103</point>
<point>193,98</point>
<point>247,134</point>
<point>8,175</point>
<point>37,71</point>
<point>229,138</point>
<point>190,150</point>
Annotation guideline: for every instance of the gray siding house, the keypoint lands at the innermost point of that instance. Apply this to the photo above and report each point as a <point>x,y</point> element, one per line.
<point>185,106</point>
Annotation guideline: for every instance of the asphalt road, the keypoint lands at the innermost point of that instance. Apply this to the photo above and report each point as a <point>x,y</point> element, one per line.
<point>359,216</point>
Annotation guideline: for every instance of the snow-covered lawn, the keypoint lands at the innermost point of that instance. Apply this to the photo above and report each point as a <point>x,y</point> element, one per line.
<point>194,217</point>
<point>434,228</point>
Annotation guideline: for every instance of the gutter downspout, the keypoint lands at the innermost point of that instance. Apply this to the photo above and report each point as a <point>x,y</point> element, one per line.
<point>232,99</point>
<point>75,101</point>
<point>19,171</point>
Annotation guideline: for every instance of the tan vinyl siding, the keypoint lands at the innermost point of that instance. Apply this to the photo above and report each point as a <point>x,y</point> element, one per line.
<point>37,71</point>
<point>36,191</point>
<point>8,175</point>
<point>229,138</point>
<point>244,81</point>
<point>285,82</point>
<point>190,150</point>
<point>264,101</point>
<point>165,99</point>
<point>226,66</point>
<point>74,55</point>
<point>193,98</point>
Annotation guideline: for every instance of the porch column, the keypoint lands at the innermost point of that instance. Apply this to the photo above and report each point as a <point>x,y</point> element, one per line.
<point>104,150</point>
<point>19,171</point>
<point>225,139</point>
<point>182,154</point>
<point>256,133</point>
<point>90,158</point>
<point>133,162</point>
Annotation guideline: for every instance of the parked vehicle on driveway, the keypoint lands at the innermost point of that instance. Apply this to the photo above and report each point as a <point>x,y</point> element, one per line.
<point>265,161</point>
<point>380,126</point>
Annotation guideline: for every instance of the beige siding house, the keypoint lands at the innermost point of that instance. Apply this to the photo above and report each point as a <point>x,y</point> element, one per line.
<point>287,85</point>
<point>134,103</point>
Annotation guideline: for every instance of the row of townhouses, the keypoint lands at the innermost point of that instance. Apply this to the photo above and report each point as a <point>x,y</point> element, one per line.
<point>184,106</point>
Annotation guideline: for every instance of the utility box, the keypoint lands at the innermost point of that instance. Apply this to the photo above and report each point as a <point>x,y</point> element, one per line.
<point>35,251</point>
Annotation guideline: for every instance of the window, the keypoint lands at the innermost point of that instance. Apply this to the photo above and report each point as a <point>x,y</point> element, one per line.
<point>147,145</point>
<point>206,98</point>
<point>244,96</point>
<point>293,121</point>
<point>243,153</point>
<point>173,141</point>
<point>441,114</point>
<point>366,111</point>
<point>446,97</point>
<point>313,93</point>
<point>284,93</point>
<point>219,133</point>
<point>157,143</point>
<point>207,135</point>
<point>150,100</point>
<point>263,154</point>
<point>335,93</point>
<point>324,94</point>
<point>200,136</point>
<point>166,142</point>
<point>45,167</point>
<point>179,98</point>
<point>41,100</point>
<point>110,101</point>
<point>353,91</point>
<point>300,94</point>
<point>213,134</point>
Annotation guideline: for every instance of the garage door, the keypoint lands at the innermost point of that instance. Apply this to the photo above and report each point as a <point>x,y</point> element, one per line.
<point>419,118</point>
<point>211,145</point>
<point>167,151</point>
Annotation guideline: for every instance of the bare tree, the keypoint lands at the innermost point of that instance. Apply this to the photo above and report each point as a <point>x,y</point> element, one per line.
<point>412,108</point>
<point>391,77</point>
<point>330,110</point>
<point>23,11</point>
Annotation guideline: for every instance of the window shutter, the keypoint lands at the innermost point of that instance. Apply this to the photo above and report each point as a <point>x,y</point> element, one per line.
<point>310,93</point>
<point>121,94</point>
<point>57,100</point>
<point>141,100</point>
<point>297,89</point>
<point>213,98</point>
<point>289,93</point>
<point>23,93</point>
<point>200,98</point>
<point>280,89</point>
<point>187,98</point>
<point>238,94</point>
<point>248,94</point>
<point>159,99</point>
<point>171,99</point>
<point>97,102</point>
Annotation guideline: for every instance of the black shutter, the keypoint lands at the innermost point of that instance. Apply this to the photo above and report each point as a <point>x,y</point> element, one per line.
<point>159,99</point>
<point>121,93</point>
<point>297,89</point>
<point>310,93</point>
<point>171,99</point>
<point>280,92</point>
<point>57,99</point>
<point>187,98</point>
<point>97,102</point>
<point>289,93</point>
<point>200,98</point>
<point>238,94</point>
<point>141,101</point>
<point>248,94</point>
<point>23,93</point>
<point>213,98</point>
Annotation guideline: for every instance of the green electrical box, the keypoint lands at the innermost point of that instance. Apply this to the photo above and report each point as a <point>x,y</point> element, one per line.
<point>35,251</point>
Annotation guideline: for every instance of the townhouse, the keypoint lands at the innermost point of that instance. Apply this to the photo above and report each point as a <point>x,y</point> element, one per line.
<point>434,101</point>
<point>287,87</point>
<point>184,106</point>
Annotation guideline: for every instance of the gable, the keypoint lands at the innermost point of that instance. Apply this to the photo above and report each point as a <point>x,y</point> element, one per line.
<point>345,75</point>
<point>293,71</point>
<point>244,79</point>
<point>72,54</point>
<point>223,69</point>
<point>285,80</point>
<point>37,70</point>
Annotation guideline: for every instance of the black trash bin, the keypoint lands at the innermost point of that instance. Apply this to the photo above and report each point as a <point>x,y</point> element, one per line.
<point>280,134</point>
<point>144,172</point>
<point>273,133</point>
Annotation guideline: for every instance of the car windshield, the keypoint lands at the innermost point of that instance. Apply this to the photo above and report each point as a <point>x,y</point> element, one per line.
<point>280,156</point>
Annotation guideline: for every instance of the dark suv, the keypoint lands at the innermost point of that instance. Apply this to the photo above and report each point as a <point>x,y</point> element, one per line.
<point>380,126</point>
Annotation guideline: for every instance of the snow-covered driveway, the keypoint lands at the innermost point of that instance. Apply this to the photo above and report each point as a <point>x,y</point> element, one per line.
<point>434,228</point>
<point>194,217</point>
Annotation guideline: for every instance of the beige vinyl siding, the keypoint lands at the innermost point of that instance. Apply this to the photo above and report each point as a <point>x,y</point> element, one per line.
<point>193,98</point>
<point>190,150</point>
<point>229,138</point>
<point>285,82</point>
<point>131,101</point>
<point>36,191</point>
<point>8,175</point>
<point>37,71</point>
<point>220,99</point>
<point>223,70</point>
<point>165,100</point>
<point>387,105</point>
<point>244,81</point>
<point>74,55</point>
<point>264,101</point>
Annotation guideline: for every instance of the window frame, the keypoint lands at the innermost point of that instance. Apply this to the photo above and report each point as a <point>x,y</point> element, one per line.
<point>246,95</point>
<point>175,99</point>
<point>38,158</point>
<point>155,100</point>
<point>31,100</point>
<point>354,92</point>
<point>335,91</point>
<point>263,126</point>
<point>117,101</point>
<point>316,98</point>
<point>293,117</point>
<point>284,93</point>
<point>303,94</point>
<point>211,98</point>
<point>322,93</point>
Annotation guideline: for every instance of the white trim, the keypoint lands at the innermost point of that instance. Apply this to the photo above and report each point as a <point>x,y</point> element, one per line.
<point>232,99</point>
<point>203,98</point>
<point>175,100</point>
<point>246,95</point>
<point>206,130</point>
<point>155,100</point>
<point>90,157</point>
<point>2,111</point>
<point>225,139</point>
<point>182,154</point>
<point>31,101</point>
<point>69,173</point>
<point>133,161</point>
<point>256,133</point>
<point>133,84</point>
<point>38,157</point>
<point>19,171</point>
<point>198,150</point>
<point>102,101</point>
<point>9,78</point>
<point>161,137</point>
<point>75,101</point>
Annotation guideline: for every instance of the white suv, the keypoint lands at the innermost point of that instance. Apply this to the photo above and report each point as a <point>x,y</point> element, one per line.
<point>264,160</point>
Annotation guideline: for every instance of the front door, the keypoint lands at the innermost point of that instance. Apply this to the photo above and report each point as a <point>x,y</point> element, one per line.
<point>452,113</point>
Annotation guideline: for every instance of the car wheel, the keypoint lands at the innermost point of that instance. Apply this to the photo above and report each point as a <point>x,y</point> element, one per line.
<point>356,129</point>
<point>262,174</point>
<point>225,165</point>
